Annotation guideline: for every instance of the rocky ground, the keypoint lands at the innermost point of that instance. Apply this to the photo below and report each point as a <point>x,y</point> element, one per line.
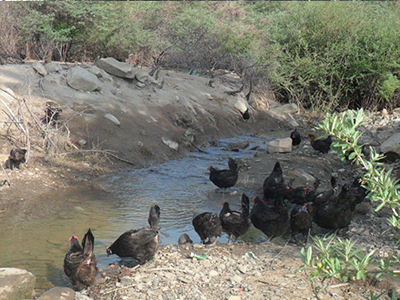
<point>149,121</point>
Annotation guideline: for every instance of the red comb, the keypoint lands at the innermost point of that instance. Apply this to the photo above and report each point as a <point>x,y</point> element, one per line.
<point>223,203</point>
<point>74,236</point>
<point>254,198</point>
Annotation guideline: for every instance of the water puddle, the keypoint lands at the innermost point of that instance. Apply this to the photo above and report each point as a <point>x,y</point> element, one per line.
<point>38,242</point>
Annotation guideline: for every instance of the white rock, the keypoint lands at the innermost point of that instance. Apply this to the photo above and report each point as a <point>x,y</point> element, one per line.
<point>280,145</point>
<point>112,119</point>
<point>171,144</point>
<point>213,273</point>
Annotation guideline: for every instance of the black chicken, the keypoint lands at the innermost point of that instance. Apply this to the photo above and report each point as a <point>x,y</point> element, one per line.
<point>301,221</point>
<point>273,186</point>
<point>140,244</point>
<point>301,194</point>
<point>296,137</point>
<point>17,156</point>
<point>80,262</point>
<point>207,225</point>
<point>225,178</point>
<point>234,222</point>
<point>246,115</point>
<point>272,220</point>
<point>321,145</point>
<point>335,212</point>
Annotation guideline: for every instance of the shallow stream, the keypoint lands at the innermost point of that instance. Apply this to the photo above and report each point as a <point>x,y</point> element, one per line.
<point>38,242</point>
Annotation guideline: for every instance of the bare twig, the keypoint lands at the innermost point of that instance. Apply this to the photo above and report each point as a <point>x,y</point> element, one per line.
<point>7,178</point>
<point>168,269</point>
<point>233,93</point>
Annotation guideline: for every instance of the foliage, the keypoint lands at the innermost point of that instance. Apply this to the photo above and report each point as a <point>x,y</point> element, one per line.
<point>319,54</point>
<point>337,259</point>
<point>381,186</point>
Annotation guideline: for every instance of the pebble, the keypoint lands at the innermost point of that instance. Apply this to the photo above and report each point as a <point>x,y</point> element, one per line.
<point>234,298</point>
<point>237,278</point>
<point>213,273</point>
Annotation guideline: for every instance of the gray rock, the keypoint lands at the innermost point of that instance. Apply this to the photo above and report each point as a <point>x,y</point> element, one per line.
<point>101,74</point>
<point>141,76</point>
<point>115,67</point>
<point>392,144</point>
<point>112,119</point>
<point>281,113</point>
<point>39,68</point>
<point>364,208</point>
<point>140,84</point>
<point>16,284</point>
<point>280,145</point>
<point>58,293</point>
<point>52,67</point>
<point>184,239</point>
<point>82,80</point>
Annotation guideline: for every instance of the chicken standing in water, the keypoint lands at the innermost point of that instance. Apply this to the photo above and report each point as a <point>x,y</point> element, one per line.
<point>207,225</point>
<point>80,263</point>
<point>140,244</point>
<point>225,178</point>
<point>234,222</point>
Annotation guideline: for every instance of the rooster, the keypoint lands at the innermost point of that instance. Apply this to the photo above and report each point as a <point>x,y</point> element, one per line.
<point>272,220</point>
<point>225,178</point>
<point>80,263</point>
<point>140,244</point>
<point>233,222</point>
<point>273,186</point>
<point>321,145</point>
<point>207,225</point>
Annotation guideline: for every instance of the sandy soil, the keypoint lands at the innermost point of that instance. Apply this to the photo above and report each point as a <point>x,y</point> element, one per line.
<point>189,112</point>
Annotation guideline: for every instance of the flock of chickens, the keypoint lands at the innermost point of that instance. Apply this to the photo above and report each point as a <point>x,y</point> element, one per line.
<point>282,206</point>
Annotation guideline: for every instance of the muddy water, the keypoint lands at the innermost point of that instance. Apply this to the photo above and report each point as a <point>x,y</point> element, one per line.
<point>39,241</point>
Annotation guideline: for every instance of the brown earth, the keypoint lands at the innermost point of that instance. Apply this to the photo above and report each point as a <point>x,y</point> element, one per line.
<point>189,112</point>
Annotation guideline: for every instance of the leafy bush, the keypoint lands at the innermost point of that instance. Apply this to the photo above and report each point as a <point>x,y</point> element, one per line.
<point>337,259</point>
<point>381,186</point>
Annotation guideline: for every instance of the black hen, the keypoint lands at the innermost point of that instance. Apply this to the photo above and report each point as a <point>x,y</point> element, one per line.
<point>246,115</point>
<point>302,194</point>
<point>301,221</point>
<point>234,222</point>
<point>17,156</point>
<point>225,178</point>
<point>273,186</point>
<point>207,225</point>
<point>321,145</point>
<point>80,263</point>
<point>335,212</point>
<point>296,137</point>
<point>272,220</point>
<point>140,244</point>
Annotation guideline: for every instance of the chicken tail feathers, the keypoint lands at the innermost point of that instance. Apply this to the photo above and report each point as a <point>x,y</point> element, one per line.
<point>245,206</point>
<point>232,164</point>
<point>88,242</point>
<point>154,216</point>
<point>277,168</point>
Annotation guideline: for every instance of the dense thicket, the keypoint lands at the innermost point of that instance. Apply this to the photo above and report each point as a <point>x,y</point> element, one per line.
<point>321,54</point>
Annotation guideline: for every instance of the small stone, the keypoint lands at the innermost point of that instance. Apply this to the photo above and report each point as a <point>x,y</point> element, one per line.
<point>234,298</point>
<point>82,142</point>
<point>173,145</point>
<point>237,278</point>
<point>213,273</point>
<point>113,119</point>
<point>209,97</point>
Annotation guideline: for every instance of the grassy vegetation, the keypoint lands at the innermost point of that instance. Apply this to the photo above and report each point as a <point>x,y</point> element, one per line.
<point>324,55</point>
